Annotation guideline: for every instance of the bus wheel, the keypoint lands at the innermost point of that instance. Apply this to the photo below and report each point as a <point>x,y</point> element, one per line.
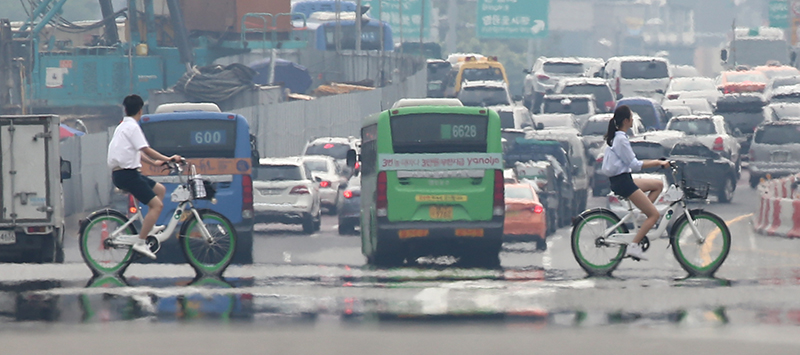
<point>387,257</point>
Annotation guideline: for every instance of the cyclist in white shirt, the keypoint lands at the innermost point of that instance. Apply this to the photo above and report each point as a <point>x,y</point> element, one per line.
<point>125,152</point>
<point>618,163</point>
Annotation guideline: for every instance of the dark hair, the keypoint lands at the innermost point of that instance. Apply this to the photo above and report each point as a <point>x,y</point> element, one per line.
<point>621,114</point>
<point>133,104</point>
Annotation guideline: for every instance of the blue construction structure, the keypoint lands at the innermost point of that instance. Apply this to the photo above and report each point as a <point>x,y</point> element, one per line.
<point>92,79</point>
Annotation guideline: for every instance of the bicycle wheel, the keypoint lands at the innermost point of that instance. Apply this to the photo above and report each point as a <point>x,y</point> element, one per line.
<point>701,259</point>
<point>594,256</point>
<point>208,258</point>
<point>96,249</point>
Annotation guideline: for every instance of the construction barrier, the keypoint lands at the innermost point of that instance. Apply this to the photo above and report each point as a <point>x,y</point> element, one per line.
<point>778,211</point>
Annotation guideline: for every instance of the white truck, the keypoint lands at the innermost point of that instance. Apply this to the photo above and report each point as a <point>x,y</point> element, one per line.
<point>32,206</point>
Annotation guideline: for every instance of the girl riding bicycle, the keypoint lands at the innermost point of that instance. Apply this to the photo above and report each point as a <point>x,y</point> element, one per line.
<point>618,163</point>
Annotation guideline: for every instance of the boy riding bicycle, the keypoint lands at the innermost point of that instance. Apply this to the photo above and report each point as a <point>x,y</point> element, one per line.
<point>125,151</point>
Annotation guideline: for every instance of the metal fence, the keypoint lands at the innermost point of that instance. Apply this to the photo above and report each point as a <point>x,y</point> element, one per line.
<point>283,129</point>
<point>90,186</point>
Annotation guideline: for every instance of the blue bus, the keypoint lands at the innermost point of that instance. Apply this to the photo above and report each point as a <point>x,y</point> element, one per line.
<point>325,35</point>
<point>220,146</point>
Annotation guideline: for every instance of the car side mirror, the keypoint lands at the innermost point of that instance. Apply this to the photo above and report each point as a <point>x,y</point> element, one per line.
<point>723,54</point>
<point>351,158</point>
<point>539,126</point>
<point>66,169</point>
<point>659,91</point>
<point>619,97</point>
<point>526,71</point>
<point>317,179</point>
<point>597,75</point>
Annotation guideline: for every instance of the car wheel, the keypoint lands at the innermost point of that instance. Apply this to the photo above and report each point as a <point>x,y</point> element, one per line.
<point>541,244</point>
<point>308,223</point>
<point>346,228</point>
<point>318,221</point>
<point>725,194</point>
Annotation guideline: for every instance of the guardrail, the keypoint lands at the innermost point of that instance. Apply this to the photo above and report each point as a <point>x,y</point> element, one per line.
<point>778,212</point>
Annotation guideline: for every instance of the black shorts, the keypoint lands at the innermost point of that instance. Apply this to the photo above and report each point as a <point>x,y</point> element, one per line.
<point>622,185</point>
<point>132,181</point>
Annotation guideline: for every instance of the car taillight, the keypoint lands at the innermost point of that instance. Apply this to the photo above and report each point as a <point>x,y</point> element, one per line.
<point>324,183</point>
<point>542,77</point>
<point>247,196</point>
<point>610,105</point>
<point>382,200</point>
<point>348,194</point>
<point>672,96</point>
<point>132,208</point>
<point>357,166</point>
<point>718,144</point>
<point>499,205</point>
<point>538,209</point>
<point>299,190</point>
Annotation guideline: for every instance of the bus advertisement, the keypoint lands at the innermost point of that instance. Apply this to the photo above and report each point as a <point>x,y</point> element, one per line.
<point>218,145</point>
<point>431,185</point>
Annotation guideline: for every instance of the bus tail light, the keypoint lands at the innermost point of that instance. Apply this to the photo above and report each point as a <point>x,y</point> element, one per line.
<point>247,196</point>
<point>382,202</point>
<point>132,208</point>
<point>499,204</point>
<point>299,190</point>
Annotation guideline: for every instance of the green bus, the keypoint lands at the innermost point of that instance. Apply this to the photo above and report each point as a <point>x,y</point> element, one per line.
<point>431,185</point>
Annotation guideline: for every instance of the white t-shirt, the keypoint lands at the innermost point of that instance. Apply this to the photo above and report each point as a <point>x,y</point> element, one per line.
<point>124,148</point>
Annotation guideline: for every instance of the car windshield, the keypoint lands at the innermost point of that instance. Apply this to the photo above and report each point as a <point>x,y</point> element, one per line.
<point>317,165</point>
<point>602,94</point>
<point>692,85</point>
<point>277,173</point>
<point>519,192</point>
<point>563,68</point>
<point>693,127</point>
<point>744,121</point>
<point>573,106</point>
<point>784,111</point>
<point>595,128</point>
<point>741,77</point>
<point>646,112</point>
<point>483,96</point>
<point>697,150</point>
<point>478,74</point>
<point>651,69</point>
<point>778,134</point>
<point>335,150</point>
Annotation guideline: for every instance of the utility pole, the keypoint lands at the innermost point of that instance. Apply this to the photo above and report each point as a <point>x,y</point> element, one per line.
<point>338,39</point>
<point>382,61</point>
<point>422,31</point>
<point>400,9</point>
<point>358,25</point>
<point>451,40</point>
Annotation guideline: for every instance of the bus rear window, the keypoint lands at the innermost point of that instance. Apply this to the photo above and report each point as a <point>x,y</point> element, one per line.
<point>193,138</point>
<point>439,133</point>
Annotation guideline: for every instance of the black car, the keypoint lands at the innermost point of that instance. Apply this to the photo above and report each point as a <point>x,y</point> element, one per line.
<point>743,112</point>
<point>350,206</point>
<point>701,165</point>
<point>557,196</point>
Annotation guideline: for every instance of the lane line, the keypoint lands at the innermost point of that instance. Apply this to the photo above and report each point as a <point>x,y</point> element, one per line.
<point>705,250</point>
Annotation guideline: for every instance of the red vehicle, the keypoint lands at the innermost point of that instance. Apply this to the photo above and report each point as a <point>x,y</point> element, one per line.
<point>741,81</point>
<point>525,215</point>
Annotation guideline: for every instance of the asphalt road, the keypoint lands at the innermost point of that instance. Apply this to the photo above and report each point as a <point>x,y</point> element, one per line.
<point>314,294</point>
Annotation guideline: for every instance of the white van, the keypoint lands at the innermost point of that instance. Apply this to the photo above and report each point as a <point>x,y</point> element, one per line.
<point>638,76</point>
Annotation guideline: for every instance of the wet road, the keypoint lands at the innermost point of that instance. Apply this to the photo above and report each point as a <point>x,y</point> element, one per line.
<point>314,293</point>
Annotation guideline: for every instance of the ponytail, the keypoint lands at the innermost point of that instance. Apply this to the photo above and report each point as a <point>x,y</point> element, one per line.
<point>621,114</point>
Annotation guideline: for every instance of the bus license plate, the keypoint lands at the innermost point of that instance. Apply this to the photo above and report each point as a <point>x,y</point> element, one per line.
<point>8,237</point>
<point>441,212</point>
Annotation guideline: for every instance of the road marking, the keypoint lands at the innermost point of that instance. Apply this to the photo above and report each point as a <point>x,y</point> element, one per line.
<point>287,257</point>
<point>706,249</point>
<point>433,300</point>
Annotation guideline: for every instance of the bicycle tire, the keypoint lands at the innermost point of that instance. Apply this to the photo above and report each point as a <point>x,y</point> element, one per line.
<point>609,261</point>
<point>702,264</point>
<point>109,260</point>
<point>198,252</point>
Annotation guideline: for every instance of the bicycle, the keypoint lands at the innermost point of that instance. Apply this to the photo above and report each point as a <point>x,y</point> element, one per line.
<point>599,237</point>
<point>207,238</point>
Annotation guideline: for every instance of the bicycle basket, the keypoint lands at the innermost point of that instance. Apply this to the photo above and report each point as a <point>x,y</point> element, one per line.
<point>205,191</point>
<point>695,189</point>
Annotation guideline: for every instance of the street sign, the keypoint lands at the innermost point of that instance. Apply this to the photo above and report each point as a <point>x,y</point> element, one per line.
<point>390,11</point>
<point>513,18</point>
<point>779,13</point>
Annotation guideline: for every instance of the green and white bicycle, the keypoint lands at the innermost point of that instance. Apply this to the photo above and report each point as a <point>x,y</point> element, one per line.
<point>207,238</point>
<point>700,240</point>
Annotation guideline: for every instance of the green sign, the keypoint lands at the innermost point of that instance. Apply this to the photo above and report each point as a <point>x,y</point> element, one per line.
<point>513,18</point>
<point>410,11</point>
<point>779,13</point>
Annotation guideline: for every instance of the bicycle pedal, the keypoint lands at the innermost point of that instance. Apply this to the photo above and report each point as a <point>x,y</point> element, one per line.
<point>634,258</point>
<point>153,243</point>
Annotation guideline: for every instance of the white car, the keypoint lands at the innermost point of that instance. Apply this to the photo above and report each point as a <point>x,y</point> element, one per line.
<point>712,131</point>
<point>544,76</point>
<point>633,76</point>
<point>582,106</point>
<point>555,120</point>
<point>335,147</point>
<point>284,191</point>
<point>514,117</point>
<point>331,179</point>
<point>485,93</point>
<point>697,87</point>
<point>699,106</point>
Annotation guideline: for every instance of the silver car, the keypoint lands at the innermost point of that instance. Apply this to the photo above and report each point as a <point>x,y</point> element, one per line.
<point>582,106</point>
<point>775,150</point>
<point>284,191</point>
<point>331,178</point>
<point>696,87</point>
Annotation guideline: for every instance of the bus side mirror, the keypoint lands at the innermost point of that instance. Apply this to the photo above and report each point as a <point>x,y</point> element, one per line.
<point>723,54</point>
<point>66,170</point>
<point>351,158</point>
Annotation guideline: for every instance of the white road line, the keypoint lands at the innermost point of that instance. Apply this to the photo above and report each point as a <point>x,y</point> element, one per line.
<point>433,300</point>
<point>287,257</point>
